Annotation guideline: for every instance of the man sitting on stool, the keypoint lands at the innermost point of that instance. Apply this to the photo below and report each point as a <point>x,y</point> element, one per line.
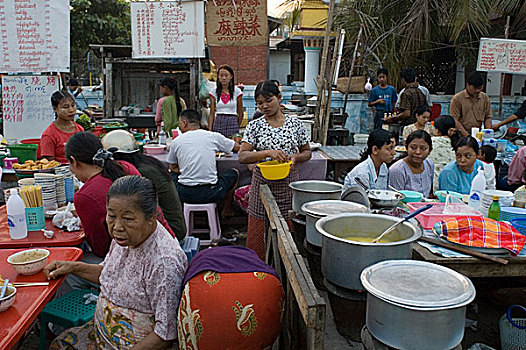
<point>192,161</point>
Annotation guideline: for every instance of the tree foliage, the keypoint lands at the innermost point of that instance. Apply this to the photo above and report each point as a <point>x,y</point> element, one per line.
<point>98,22</point>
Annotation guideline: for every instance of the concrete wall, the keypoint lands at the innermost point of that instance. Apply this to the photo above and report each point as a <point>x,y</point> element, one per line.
<point>279,65</point>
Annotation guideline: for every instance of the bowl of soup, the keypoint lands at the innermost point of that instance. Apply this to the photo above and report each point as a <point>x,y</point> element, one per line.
<point>8,299</point>
<point>29,262</point>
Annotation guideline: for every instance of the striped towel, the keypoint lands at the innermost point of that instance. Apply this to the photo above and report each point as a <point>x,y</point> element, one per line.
<point>478,231</point>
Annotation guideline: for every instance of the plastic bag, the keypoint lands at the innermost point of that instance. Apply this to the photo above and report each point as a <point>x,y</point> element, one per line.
<point>66,219</point>
<point>455,206</point>
<point>206,88</point>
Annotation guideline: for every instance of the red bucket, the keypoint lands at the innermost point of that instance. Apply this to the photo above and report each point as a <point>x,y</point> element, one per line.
<point>33,141</point>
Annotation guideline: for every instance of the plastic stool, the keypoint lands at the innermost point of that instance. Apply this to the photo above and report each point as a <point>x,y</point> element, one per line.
<point>67,311</point>
<point>213,220</point>
<point>190,247</point>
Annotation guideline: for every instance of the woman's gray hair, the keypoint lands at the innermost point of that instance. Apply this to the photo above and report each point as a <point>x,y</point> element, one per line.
<point>138,187</point>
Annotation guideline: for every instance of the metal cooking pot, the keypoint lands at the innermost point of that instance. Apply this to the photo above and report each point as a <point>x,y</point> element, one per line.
<point>313,190</point>
<point>384,198</point>
<point>319,209</point>
<point>343,260</point>
<point>416,304</point>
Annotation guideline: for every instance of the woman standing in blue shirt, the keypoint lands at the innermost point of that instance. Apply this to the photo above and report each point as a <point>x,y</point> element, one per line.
<point>458,175</point>
<point>382,97</point>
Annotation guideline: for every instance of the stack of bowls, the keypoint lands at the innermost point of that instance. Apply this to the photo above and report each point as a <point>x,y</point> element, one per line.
<point>360,139</point>
<point>510,213</point>
<point>49,190</point>
<point>61,174</point>
<point>505,199</point>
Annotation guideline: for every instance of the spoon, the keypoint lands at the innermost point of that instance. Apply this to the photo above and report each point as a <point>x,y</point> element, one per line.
<point>4,288</point>
<point>392,227</point>
<point>394,189</point>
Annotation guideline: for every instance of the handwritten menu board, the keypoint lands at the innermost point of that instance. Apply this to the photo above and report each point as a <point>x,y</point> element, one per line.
<point>27,105</point>
<point>501,55</point>
<point>236,23</point>
<point>168,29</point>
<point>34,36</point>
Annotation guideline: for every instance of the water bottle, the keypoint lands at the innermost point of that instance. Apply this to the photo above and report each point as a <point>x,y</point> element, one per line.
<point>16,216</point>
<point>477,187</point>
<point>162,135</point>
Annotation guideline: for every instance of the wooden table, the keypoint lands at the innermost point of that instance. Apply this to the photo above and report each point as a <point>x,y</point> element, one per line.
<point>29,301</point>
<point>36,238</point>
<point>342,158</point>
<point>473,267</point>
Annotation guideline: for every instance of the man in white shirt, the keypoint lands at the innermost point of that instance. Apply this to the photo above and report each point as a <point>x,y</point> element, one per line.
<point>192,160</point>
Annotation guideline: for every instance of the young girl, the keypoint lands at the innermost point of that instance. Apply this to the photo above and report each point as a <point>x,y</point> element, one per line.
<point>57,134</point>
<point>373,169</point>
<point>278,137</point>
<point>414,172</point>
<point>226,104</point>
<point>170,106</point>
<point>422,114</point>
<point>458,175</point>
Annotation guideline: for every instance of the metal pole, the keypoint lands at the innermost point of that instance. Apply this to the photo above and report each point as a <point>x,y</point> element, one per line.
<point>352,67</point>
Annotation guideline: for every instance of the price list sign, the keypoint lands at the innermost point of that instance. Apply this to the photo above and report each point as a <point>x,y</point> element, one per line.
<point>502,55</point>
<point>27,105</point>
<point>34,36</point>
<point>168,29</point>
<point>236,23</point>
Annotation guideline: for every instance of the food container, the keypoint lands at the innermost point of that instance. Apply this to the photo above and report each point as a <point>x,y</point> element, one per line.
<point>274,170</point>
<point>411,196</point>
<point>9,161</point>
<point>8,299</point>
<point>29,262</point>
<point>442,195</point>
<point>416,305</point>
<point>313,190</point>
<point>384,198</point>
<point>153,149</point>
<point>436,213</point>
<point>342,259</point>
<point>320,209</point>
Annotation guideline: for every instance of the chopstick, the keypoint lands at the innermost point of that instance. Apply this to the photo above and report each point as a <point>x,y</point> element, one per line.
<point>29,284</point>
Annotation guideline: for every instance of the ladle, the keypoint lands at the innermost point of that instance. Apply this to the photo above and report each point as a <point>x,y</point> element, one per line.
<point>392,227</point>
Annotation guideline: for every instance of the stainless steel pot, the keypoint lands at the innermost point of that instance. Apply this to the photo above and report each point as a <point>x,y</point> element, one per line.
<point>313,190</point>
<point>416,305</point>
<point>343,260</point>
<point>319,209</point>
<point>384,198</point>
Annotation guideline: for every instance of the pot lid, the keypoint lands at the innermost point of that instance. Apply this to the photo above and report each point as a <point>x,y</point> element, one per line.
<point>331,207</point>
<point>419,284</point>
<point>356,194</point>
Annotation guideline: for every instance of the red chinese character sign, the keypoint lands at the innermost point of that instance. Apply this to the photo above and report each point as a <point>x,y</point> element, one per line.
<point>501,55</point>
<point>27,105</point>
<point>236,23</point>
<point>168,29</point>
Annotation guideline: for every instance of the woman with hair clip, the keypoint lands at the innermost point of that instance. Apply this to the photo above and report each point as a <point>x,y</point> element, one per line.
<point>277,137</point>
<point>61,129</point>
<point>169,106</point>
<point>446,135</point>
<point>422,114</point>
<point>226,104</point>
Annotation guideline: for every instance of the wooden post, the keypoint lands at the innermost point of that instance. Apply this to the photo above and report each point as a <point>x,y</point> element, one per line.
<point>323,67</point>
<point>352,67</point>
<point>327,111</point>
<point>193,83</point>
<point>506,35</point>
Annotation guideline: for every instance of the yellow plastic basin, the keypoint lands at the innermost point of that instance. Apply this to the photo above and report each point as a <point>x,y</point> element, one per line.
<point>274,170</point>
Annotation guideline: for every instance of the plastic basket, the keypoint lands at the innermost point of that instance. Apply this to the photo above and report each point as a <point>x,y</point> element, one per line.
<point>519,224</point>
<point>35,219</point>
<point>513,330</point>
<point>23,152</point>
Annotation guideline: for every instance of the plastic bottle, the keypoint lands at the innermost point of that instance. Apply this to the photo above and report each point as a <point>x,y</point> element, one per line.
<point>477,187</point>
<point>162,135</point>
<point>494,209</point>
<point>16,216</point>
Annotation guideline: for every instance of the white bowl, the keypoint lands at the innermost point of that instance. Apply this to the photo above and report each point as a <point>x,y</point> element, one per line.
<point>8,299</point>
<point>29,262</point>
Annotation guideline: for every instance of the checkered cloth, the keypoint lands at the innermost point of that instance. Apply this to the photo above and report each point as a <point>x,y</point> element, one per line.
<point>279,188</point>
<point>478,231</point>
<point>226,124</point>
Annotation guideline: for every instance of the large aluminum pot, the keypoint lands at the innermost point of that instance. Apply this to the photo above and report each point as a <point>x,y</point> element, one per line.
<point>319,209</point>
<point>342,260</point>
<point>416,304</point>
<point>385,198</point>
<point>313,190</point>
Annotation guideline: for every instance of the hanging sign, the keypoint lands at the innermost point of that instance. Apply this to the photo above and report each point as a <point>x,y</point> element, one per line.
<point>168,29</point>
<point>236,23</point>
<point>502,55</point>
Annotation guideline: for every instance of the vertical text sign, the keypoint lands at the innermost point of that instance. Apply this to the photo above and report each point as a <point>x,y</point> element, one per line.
<point>34,36</point>
<point>168,29</point>
<point>27,105</point>
<point>501,55</point>
<point>236,23</point>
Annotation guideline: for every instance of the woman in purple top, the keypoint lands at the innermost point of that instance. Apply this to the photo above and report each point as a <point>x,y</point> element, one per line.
<point>414,172</point>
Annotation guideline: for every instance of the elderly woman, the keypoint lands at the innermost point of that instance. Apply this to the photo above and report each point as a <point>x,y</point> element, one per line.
<point>141,276</point>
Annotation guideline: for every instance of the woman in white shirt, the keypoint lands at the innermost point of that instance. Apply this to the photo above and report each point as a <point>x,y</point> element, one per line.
<point>226,104</point>
<point>442,153</point>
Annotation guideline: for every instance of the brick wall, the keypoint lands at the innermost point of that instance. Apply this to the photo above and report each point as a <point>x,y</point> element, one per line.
<point>249,62</point>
